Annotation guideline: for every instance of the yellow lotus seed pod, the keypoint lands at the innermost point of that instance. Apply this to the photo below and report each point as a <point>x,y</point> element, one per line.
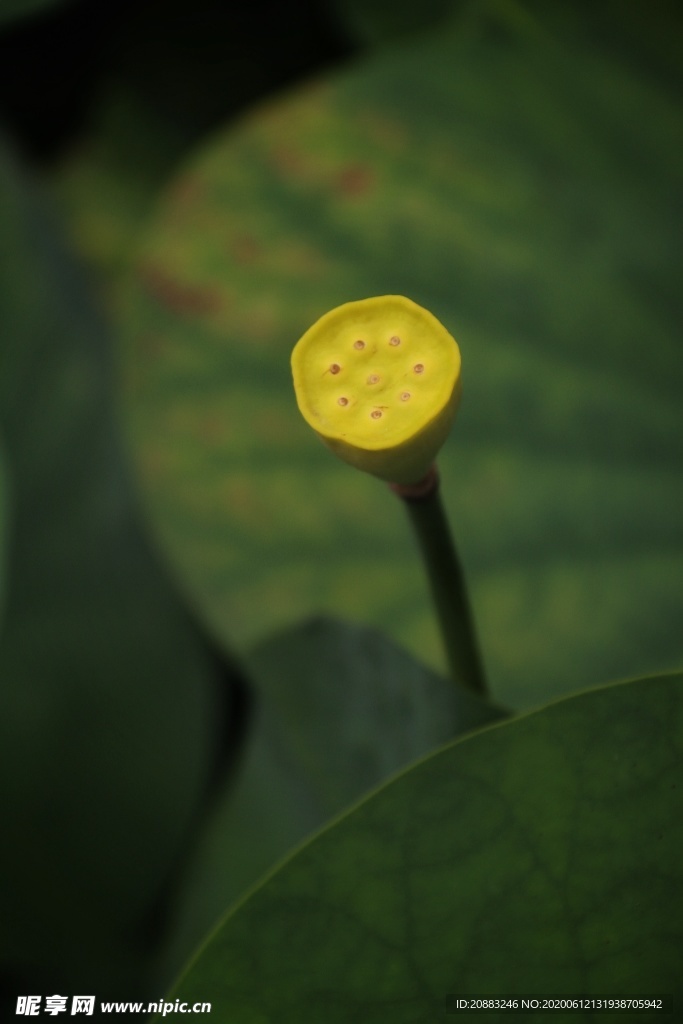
<point>379,382</point>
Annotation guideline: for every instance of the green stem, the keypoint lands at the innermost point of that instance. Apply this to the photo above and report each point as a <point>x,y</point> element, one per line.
<point>426,512</point>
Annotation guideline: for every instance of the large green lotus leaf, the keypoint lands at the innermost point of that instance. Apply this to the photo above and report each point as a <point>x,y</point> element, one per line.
<point>108,705</point>
<point>541,855</point>
<point>338,709</point>
<point>522,190</point>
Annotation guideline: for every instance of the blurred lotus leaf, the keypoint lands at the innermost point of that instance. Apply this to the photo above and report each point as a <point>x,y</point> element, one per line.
<point>517,181</point>
<point>4,526</point>
<point>338,709</point>
<point>112,703</point>
<point>378,21</point>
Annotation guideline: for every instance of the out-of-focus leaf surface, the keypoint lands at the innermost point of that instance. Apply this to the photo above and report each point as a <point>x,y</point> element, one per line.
<point>10,10</point>
<point>108,715</point>
<point>378,21</point>
<point>649,34</point>
<point>4,526</point>
<point>541,855</point>
<point>339,708</point>
<point>524,185</point>
<point>106,185</point>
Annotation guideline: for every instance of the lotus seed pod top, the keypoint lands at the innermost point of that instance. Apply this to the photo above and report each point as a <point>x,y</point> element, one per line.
<point>379,382</point>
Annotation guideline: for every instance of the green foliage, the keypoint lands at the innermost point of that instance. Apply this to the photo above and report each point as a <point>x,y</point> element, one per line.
<point>519,183</point>
<point>339,708</point>
<point>106,187</point>
<point>539,855</point>
<point>377,21</point>
<point>107,731</point>
<point>4,525</point>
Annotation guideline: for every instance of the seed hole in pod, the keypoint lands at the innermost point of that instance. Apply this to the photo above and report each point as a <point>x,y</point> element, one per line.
<point>418,368</point>
<point>395,340</point>
<point>359,344</point>
<point>342,401</point>
<point>335,368</point>
<point>405,395</point>
<point>373,378</point>
<point>376,414</point>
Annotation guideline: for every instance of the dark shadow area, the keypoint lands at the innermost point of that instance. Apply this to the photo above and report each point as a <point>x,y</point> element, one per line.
<point>196,64</point>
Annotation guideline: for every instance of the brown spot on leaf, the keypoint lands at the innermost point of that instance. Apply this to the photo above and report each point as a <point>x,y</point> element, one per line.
<point>187,191</point>
<point>246,249</point>
<point>152,344</point>
<point>179,296</point>
<point>288,160</point>
<point>213,428</point>
<point>355,180</point>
